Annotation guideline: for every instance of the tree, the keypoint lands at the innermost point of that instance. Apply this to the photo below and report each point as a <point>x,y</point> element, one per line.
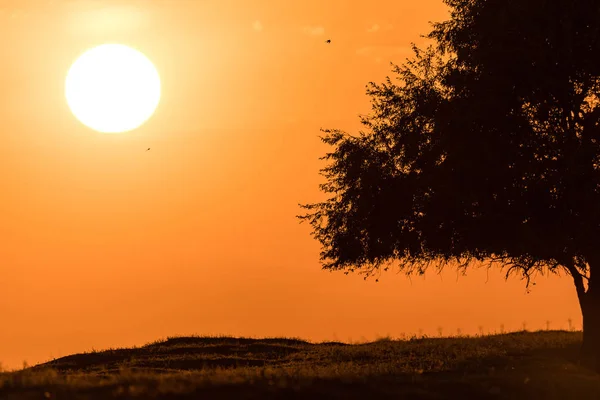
<point>484,150</point>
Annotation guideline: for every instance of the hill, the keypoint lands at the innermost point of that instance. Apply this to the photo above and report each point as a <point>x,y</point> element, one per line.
<point>520,365</point>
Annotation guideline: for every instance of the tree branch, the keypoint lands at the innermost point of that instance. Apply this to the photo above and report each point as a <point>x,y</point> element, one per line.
<point>577,278</point>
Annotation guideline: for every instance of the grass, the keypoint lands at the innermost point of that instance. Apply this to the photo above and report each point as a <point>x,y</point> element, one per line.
<point>518,365</point>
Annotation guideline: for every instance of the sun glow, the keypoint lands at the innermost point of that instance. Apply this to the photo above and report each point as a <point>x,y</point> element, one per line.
<point>112,88</point>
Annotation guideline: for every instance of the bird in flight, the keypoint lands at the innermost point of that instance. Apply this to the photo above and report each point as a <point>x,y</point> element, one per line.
<point>328,41</point>
<point>148,149</point>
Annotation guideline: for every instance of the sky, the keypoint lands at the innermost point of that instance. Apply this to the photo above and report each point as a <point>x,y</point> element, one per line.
<point>105,245</point>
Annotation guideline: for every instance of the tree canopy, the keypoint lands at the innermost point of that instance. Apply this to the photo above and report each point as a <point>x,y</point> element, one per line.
<point>483,148</point>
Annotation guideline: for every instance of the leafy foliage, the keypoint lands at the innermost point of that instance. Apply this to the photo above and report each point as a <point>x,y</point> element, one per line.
<point>485,147</point>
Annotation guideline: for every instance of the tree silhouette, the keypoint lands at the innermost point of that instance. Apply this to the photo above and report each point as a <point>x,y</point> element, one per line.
<point>485,150</point>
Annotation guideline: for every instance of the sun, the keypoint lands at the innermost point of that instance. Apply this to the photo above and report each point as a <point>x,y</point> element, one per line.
<point>112,88</point>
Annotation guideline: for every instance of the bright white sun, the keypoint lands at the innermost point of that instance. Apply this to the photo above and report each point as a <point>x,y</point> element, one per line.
<point>112,88</point>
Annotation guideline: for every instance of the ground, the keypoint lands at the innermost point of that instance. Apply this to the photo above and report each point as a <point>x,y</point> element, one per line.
<point>520,365</point>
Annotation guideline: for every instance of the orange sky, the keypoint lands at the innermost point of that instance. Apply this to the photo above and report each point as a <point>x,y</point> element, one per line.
<point>106,245</point>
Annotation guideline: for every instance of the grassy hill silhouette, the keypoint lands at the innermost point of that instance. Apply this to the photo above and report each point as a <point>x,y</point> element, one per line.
<point>519,365</point>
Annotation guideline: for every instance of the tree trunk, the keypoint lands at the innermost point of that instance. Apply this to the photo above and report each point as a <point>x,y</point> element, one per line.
<point>590,347</point>
<point>590,310</point>
<point>589,301</point>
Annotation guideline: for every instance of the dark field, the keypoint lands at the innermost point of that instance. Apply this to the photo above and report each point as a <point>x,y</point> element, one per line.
<point>521,365</point>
